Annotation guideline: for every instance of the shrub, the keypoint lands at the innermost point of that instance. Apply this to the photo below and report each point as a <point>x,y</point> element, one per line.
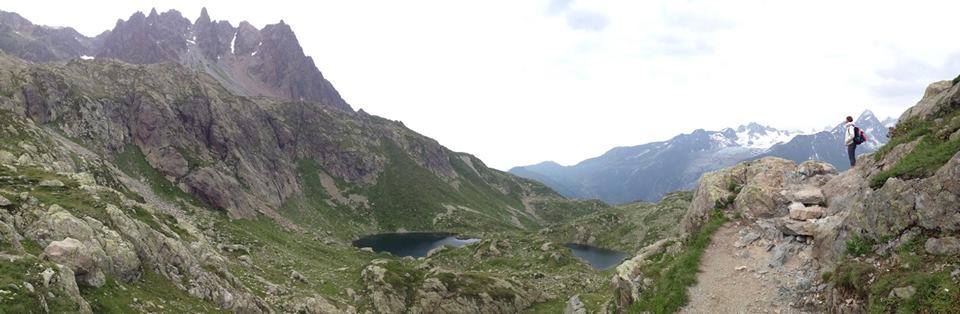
<point>853,276</point>
<point>858,245</point>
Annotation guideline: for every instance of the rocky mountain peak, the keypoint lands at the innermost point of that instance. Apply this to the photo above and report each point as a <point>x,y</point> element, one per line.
<point>246,60</point>
<point>142,41</point>
<point>247,40</point>
<point>867,117</point>
<point>204,17</point>
<point>753,127</point>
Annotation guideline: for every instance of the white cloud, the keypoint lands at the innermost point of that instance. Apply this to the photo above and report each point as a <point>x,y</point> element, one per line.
<point>515,82</point>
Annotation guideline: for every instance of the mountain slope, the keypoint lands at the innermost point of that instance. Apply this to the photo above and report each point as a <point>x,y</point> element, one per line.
<point>648,171</point>
<point>292,161</point>
<point>20,37</point>
<point>153,187</point>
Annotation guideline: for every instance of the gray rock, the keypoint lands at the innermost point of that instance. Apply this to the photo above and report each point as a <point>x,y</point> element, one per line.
<point>234,248</point>
<point>51,183</point>
<point>808,195</point>
<point>7,158</point>
<point>25,160</point>
<point>436,251</point>
<point>807,213</point>
<point>574,306</point>
<point>942,246</point>
<point>47,274</point>
<point>298,276</point>
<point>781,253</point>
<point>315,305</point>
<point>812,168</point>
<point>747,239</point>
<point>903,292</point>
<point>352,295</point>
<point>4,202</point>
<point>796,205</point>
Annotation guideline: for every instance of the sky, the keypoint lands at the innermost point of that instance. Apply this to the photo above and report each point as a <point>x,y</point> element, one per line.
<point>520,82</point>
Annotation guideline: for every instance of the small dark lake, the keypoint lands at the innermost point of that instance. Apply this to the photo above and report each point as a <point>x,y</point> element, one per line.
<point>415,244</point>
<point>598,258</point>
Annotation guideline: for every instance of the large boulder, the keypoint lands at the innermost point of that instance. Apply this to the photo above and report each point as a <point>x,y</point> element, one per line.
<point>73,253</point>
<point>574,306</point>
<point>102,251</point>
<point>933,99</point>
<point>761,200</point>
<point>807,195</point>
<point>942,246</point>
<point>180,263</point>
<point>760,182</point>
<point>807,213</point>
<point>317,305</point>
<point>811,168</point>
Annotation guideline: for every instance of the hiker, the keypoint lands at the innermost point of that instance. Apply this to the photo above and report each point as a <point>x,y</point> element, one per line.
<point>853,137</point>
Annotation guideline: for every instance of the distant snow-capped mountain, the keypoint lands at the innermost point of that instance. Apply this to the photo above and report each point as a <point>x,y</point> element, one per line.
<point>827,145</point>
<point>647,171</point>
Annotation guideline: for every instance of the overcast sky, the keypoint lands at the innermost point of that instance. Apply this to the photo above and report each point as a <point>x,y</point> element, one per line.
<point>518,82</point>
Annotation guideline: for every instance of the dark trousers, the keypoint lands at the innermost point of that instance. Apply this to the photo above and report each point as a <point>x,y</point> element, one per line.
<point>852,153</point>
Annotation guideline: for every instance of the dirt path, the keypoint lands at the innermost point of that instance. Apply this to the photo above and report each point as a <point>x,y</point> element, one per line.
<point>740,280</point>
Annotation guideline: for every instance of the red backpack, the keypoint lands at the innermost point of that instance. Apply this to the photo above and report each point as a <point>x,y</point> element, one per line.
<point>859,136</point>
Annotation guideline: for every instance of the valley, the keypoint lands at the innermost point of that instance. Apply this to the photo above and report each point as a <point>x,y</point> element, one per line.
<point>177,166</point>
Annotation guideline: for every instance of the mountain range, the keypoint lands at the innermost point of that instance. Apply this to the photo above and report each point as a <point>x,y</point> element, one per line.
<point>648,171</point>
<point>240,119</point>
<point>245,60</point>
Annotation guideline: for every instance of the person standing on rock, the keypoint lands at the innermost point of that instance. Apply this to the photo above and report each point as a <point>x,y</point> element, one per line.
<point>850,140</point>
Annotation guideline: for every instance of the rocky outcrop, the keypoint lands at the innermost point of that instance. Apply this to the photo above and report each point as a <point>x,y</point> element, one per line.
<point>91,249</point>
<point>629,282</point>
<point>757,188</point>
<point>770,193</point>
<point>574,306</point>
<point>394,288</point>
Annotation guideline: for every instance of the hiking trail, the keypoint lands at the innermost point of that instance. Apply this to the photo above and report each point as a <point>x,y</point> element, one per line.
<point>736,279</point>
